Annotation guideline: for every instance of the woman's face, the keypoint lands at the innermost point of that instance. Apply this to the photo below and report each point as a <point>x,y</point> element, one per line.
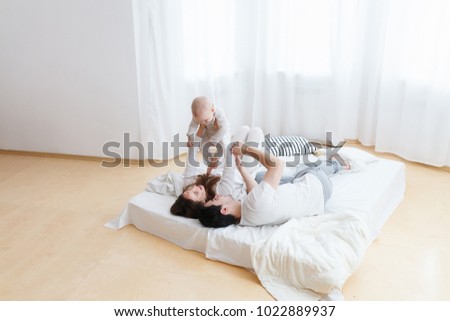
<point>195,193</point>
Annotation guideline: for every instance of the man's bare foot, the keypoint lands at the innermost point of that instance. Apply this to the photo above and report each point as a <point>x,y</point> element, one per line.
<point>346,167</point>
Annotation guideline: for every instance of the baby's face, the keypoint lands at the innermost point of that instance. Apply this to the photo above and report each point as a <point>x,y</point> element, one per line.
<point>205,117</point>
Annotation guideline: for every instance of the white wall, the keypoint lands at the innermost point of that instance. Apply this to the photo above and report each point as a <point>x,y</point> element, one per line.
<point>68,79</point>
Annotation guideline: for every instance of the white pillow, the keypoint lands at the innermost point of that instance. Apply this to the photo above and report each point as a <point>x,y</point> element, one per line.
<point>352,153</point>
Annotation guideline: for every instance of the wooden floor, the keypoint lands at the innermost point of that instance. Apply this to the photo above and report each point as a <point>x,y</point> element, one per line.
<point>53,245</point>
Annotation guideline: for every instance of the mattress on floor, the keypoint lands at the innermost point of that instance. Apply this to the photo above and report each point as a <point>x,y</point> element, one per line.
<point>373,194</point>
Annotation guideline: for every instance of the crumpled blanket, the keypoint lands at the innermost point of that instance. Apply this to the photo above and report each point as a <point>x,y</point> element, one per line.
<point>167,184</point>
<point>308,258</point>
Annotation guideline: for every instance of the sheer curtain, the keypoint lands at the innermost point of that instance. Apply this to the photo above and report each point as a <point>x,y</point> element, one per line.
<point>374,71</point>
<point>413,102</point>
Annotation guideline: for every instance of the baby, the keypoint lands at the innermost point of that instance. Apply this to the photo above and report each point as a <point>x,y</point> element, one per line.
<point>211,124</point>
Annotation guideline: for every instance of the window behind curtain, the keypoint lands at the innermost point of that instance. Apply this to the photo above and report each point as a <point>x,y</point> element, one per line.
<point>297,35</point>
<point>208,38</point>
<point>423,42</point>
<point>301,36</point>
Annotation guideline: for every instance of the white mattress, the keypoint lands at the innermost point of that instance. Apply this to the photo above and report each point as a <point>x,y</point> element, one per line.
<point>372,193</point>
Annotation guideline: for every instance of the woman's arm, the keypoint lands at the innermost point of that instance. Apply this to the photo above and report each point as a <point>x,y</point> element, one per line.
<point>249,180</point>
<point>192,168</point>
<point>227,184</point>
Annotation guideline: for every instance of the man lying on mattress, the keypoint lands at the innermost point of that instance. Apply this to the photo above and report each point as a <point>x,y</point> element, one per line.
<point>219,202</point>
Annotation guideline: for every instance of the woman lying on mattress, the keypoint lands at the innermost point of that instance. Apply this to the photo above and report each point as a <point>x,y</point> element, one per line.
<point>208,189</point>
<point>269,203</point>
<point>199,189</point>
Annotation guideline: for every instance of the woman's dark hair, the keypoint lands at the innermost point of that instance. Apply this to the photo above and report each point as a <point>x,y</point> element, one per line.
<point>185,207</point>
<point>188,208</point>
<point>210,216</point>
<point>209,182</point>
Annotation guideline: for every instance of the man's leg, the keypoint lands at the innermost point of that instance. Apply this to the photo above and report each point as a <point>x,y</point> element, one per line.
<point>330,167</point>
<point>241,134</point>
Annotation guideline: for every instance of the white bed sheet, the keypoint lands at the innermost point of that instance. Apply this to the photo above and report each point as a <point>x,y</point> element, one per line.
<point>149,212</point>
<point>372,193</point>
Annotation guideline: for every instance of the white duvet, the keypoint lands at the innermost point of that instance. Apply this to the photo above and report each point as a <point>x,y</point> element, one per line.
<point>307,258</point>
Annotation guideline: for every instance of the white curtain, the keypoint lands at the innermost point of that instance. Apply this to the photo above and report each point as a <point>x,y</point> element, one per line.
<point>374,71</point>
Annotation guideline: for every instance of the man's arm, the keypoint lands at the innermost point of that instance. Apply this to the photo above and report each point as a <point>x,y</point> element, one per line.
<point>249,180</point>
<point>274,165</point>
